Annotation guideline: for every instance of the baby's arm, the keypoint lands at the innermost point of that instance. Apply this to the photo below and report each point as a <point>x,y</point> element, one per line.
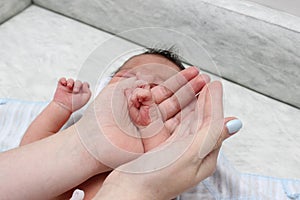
<point>69,97</point>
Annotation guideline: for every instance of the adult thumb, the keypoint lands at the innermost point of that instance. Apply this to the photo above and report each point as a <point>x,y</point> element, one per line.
<point>231,126</point>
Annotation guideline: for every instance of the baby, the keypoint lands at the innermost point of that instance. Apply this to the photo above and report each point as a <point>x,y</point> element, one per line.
<point>149,70</point>
<point>69,96</point>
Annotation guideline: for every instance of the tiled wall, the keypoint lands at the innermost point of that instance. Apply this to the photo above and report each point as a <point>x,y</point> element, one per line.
<point>257,54</point>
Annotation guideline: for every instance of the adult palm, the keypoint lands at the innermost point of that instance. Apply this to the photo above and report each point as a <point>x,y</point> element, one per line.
<point>109,129</point>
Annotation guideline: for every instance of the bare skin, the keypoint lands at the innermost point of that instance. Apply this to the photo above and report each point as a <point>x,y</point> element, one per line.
<point>71,96</point>
<point>198,143</point>
<point>46,163</point>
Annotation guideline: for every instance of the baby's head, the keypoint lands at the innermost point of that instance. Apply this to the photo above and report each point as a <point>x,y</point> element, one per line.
<point>155,66</point>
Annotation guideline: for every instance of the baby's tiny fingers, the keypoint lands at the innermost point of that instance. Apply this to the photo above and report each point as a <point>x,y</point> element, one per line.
<point>70,83</point>
<point>62,81</point>
<point>77,86</point>
<point>85,87</point>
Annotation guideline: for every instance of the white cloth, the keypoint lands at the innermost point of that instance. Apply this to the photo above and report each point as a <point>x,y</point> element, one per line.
<point>228,183</point>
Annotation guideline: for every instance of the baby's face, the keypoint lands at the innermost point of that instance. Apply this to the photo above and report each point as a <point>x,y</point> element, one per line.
<point>148,67</point>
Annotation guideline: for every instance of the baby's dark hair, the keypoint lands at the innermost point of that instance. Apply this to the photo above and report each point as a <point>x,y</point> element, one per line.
<point>168,54</point>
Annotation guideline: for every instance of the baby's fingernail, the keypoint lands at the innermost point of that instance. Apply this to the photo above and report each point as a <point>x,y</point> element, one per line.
<point>234,126</point>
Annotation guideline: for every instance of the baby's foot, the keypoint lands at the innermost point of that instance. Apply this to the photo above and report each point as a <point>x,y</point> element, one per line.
<point>71,94</point>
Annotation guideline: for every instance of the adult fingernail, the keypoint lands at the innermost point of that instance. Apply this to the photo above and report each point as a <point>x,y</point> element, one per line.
<point>234,126</point>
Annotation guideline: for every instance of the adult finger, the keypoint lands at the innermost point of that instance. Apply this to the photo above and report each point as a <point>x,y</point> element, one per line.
<point>172,123</point>
<point>231,126</point>
<point>167,88</point>
<point>182,97</point>
<point>212,122</point>
<point>214,102</point>
<point>207,166</point>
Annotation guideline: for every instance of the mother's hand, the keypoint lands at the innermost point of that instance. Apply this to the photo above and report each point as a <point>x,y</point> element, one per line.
<point>188,157</point>
<point>155,111</point>
<point>107,130</point>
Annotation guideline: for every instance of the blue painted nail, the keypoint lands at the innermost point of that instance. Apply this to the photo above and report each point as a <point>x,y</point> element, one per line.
<point>234,126</point>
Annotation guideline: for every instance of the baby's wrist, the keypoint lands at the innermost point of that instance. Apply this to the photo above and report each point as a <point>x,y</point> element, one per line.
<point>62,107</point>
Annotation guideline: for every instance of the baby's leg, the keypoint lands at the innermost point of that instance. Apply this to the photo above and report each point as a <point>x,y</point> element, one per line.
<point>69,97</point>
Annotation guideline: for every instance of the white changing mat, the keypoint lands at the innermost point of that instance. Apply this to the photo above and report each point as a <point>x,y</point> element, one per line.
<point>227,183</point>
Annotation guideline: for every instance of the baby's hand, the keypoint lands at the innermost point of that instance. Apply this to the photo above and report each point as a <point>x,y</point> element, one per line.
<point>72,95</point>
<point>140,103</point>
<point>145,114</point>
